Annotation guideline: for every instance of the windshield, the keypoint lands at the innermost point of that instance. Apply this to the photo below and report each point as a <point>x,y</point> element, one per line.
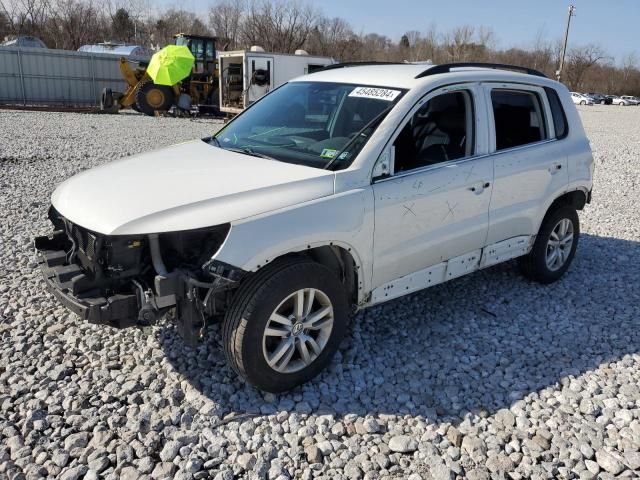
<point>318,124</point>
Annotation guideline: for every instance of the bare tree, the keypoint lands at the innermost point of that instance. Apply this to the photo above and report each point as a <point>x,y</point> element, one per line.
<point>175,21</point>
<point>333,37</point>
<point>579,61</point>
<point>458,43</point>
<point>73,23</point>
<point>25,17</point>
<point>279,26</point>
<point>286,25</point>
<point>225,19</point>
<point>629,65</point>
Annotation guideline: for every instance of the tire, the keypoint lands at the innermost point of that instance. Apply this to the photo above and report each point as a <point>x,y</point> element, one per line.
<point>106,99</point>
<point>534,265</point>
<point>583,102</point>
<point>255,304</point>
<point>152,98</point>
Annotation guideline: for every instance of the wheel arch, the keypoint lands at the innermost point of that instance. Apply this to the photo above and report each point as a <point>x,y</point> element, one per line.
<point>335,231</point>
<point>577,198</point>
<point>339,257</point>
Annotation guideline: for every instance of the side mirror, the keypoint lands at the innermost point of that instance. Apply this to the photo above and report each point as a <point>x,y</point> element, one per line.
<point>384,165</point>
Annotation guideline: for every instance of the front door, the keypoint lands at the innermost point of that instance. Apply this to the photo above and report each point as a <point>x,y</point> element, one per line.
<point>435,205</point>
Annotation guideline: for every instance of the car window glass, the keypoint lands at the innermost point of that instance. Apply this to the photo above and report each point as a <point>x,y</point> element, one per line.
<point>557,112</point>
<point>210,49</point>
<point>319,124</point>
<point>439,131</point>
<point>518,118</point>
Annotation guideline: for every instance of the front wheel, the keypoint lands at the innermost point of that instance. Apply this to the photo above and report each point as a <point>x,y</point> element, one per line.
<point>285,324</point>
<point>555,246</point>
<point>152,98</point>
<point>583,102</point>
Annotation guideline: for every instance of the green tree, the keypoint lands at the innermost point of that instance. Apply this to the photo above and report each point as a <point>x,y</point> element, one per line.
<point>404,42</point>
<point>122,27</point>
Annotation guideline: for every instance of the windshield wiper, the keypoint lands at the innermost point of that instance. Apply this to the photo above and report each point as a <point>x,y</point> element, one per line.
<point>248,151</point>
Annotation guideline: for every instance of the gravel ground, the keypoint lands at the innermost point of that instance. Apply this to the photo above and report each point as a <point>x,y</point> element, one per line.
<point>482,377</point>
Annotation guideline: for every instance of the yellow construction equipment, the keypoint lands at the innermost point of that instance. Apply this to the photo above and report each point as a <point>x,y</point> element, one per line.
<point>200,88</point>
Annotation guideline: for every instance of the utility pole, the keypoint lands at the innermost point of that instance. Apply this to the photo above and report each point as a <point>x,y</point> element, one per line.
<point>572,10</point>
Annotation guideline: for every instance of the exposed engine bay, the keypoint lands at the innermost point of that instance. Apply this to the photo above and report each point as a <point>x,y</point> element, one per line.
<point>128,280</point>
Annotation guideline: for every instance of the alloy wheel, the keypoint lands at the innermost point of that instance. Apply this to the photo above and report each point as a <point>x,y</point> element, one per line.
<point>298,330</point>
<point>559,244</point>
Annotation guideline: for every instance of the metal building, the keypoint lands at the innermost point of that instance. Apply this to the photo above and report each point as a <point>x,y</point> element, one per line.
<point>39,76</point>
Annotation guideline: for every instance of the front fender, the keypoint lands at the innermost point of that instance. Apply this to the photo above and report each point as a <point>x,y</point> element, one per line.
<point>344,220</point>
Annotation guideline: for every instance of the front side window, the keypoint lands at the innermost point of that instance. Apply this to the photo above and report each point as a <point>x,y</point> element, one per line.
<point>518,118</point>
<point>440,131</point>
<point>317,124</point>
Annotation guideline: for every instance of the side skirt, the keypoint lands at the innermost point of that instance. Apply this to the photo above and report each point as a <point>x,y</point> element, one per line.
<point>453,268</point>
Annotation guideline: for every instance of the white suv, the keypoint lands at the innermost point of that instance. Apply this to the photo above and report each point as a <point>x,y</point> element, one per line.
<point>337,191</point>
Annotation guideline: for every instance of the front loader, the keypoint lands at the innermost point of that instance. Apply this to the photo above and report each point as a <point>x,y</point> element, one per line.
<point>143,95</point>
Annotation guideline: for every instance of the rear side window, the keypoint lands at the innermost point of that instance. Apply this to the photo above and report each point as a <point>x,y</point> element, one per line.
<point>518,118</point>
<point>557,112</point>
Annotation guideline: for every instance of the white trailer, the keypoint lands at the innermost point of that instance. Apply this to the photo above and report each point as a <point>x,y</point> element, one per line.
<point>247,75</point>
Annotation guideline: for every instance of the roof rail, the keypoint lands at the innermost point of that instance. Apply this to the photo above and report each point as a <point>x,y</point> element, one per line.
<point>354,64</point>
<point>446,67</point>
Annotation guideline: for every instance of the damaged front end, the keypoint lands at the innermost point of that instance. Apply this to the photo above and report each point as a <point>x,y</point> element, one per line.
<point>127,280</point>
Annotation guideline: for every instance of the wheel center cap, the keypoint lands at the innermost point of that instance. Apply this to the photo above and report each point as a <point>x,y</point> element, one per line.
<point>297,329</point>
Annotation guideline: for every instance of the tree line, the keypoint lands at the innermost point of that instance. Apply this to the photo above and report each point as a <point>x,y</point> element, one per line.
<point>287,25</point>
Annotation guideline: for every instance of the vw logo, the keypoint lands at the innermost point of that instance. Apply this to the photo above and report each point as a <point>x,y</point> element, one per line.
<point>297,329</point>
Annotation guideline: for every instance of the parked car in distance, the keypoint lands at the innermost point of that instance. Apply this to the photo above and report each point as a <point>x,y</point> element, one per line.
<point>24,41</point>
<point>623,102</point>
<point>581,99</point>
<point>631,100</point>
<point>337,191</point>
<point>600,98</point>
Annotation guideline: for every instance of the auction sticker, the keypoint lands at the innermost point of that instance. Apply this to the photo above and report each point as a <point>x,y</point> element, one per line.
<point>373,92</point>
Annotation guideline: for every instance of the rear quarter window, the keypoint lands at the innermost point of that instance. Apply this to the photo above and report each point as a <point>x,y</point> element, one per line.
<point>557,112</point>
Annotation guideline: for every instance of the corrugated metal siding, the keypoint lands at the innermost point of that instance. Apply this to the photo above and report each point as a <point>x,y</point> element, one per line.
<point>39,76</point>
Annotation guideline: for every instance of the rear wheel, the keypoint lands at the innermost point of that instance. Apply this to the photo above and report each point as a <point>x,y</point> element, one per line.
<point>108,102</point>
<point>152,98</point>
<point>555,246</point>
<point>285,324</point>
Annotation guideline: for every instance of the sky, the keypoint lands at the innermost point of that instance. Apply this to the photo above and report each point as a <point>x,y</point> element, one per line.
<point>613,24</point>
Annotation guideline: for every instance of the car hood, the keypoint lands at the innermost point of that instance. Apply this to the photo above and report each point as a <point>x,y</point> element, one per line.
<point>183,187</point>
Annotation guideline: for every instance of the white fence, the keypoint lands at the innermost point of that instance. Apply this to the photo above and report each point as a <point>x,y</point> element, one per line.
<point>40,76</point>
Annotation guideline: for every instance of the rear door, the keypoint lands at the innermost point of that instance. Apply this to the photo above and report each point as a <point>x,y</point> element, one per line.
<point>435,204</point>
<point>530,166</point>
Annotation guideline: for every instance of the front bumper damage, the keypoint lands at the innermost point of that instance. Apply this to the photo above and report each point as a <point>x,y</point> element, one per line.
<point>59,275</point>
<point>124,281</point>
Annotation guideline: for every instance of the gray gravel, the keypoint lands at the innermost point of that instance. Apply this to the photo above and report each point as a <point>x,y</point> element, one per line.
<point>484,376</point>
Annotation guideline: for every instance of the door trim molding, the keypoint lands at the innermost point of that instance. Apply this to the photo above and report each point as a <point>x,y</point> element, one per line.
<point>453,268</point>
